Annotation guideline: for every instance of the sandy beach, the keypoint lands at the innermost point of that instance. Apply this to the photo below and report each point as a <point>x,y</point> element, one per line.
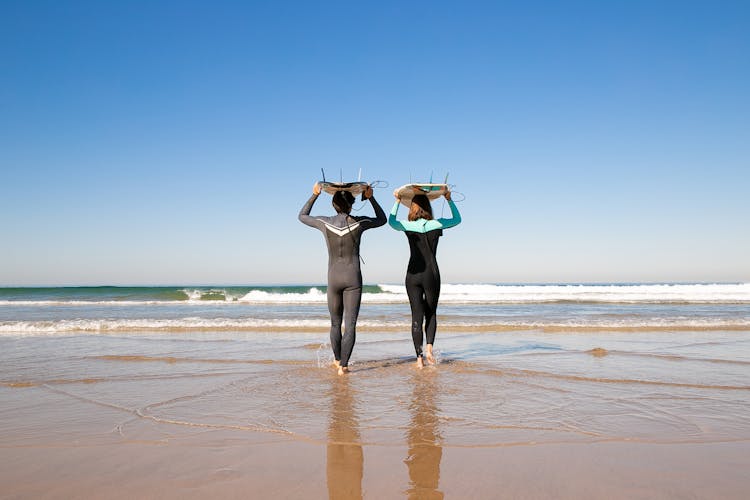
<point>503,415</point>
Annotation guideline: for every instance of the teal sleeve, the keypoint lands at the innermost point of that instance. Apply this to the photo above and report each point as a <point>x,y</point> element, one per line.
<point>455,219</point>
<point>392,221</point>
<point>421,225</point>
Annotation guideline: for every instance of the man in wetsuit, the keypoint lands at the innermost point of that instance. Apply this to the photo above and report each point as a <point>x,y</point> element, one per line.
<point>343,233</point>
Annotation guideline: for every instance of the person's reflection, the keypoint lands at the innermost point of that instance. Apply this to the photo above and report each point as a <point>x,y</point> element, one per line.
<point>424,438</point>
<point>344,457</point>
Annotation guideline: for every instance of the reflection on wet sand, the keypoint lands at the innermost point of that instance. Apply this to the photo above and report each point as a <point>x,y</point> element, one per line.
<point>344,455</point>
<point>423,437</point>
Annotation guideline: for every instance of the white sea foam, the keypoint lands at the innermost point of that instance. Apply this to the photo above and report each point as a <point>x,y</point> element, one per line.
<point>194,294</point>
<point>514,294</point>
<point>146,324</point>
<point>455,294</point>
<point>212,295</point>
<point>313,296</point>
<point>396,324</point>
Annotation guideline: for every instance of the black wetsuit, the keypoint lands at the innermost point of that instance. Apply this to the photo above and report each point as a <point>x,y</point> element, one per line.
<point>423,275</point>
<point>343,234</point>
<point>423,285</point>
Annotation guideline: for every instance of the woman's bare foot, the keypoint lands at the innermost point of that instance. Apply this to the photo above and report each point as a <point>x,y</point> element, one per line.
<point>336,363</point>
<point>428,354</point>
<point>420,363</point>
<point>343,369</point>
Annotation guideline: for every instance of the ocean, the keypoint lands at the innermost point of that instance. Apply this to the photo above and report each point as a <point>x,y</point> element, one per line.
<point>463,307</point>
<point>213,387</point>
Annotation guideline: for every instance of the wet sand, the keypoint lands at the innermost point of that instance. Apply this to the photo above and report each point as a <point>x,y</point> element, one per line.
<point>527,415</point>
<point>228,468</point>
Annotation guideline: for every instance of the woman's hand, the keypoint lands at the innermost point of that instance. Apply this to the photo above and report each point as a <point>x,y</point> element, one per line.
<point>316,189</point>
<point>447,195</point>
<point>396,195</point>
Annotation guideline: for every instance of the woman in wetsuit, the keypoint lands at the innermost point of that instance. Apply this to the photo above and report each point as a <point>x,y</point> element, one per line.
<point>343,233</point>
<point>422,274</point>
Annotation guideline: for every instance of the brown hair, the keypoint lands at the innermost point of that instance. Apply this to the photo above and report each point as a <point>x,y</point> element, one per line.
<point>343,201</point>
<point>420,208</point>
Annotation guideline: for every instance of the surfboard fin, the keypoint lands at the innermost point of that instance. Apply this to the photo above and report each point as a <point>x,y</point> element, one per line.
<point>442,209</point>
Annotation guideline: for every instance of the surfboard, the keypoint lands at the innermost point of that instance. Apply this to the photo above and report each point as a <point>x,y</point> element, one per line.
<point>432,191</point>
<point>353,187</point>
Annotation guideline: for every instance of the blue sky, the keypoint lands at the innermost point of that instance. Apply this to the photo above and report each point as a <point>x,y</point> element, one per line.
<point>174,142</point>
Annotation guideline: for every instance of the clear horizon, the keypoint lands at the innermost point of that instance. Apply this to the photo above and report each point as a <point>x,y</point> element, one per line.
<point>323,284</point>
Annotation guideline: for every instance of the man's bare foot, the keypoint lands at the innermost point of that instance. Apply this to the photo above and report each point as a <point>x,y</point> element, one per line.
<point>343,369</point>
<point>428,354</point>
<point>420,363</point>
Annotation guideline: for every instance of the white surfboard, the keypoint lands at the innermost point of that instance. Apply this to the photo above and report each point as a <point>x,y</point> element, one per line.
<point>432,191</point>
<point>355,188</point>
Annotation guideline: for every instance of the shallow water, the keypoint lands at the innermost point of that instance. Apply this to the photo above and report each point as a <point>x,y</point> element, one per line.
<point>488,389</point>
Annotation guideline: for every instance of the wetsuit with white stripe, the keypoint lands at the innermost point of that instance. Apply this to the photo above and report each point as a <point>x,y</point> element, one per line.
<point>343,234</point>
<point>422,274</point>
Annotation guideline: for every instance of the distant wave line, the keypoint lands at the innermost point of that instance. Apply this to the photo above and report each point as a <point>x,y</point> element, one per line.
<point>393,294</point>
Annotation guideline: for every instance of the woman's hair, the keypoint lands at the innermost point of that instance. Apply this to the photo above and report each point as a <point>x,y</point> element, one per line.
<point>343,201</point>
<point>420,208</point>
